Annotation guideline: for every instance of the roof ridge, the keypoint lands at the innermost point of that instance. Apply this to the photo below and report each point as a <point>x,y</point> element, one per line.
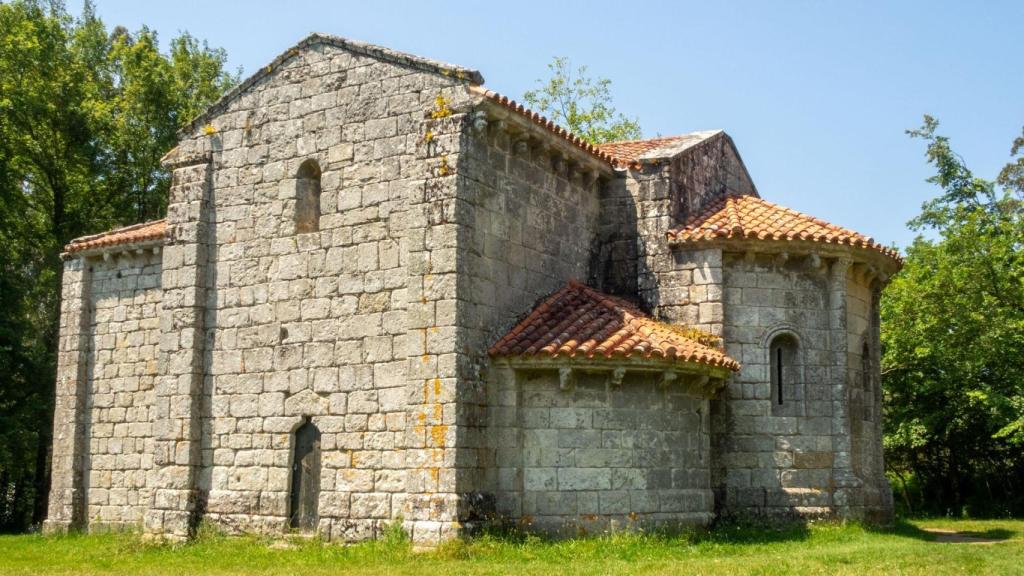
<point>373,50</point>
<point>638,140</point>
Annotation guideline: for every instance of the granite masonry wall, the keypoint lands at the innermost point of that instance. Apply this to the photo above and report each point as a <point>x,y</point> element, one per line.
<point>598,455</point>
<point>771,457</point>
<point>681,286</point>
<point>865,397</point>
<point>527,224</point>
<point>124,303</point>
<point>326,324</point>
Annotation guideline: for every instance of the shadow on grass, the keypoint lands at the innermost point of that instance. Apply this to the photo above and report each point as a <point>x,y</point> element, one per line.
<point>907,529</point>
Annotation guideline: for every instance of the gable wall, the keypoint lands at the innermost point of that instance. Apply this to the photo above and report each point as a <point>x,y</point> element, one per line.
<point>313,325</point>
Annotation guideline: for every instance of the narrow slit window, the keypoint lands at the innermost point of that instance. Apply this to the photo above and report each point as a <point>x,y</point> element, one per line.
<point>307,198</point>
<point>783,368</point>
<point>778,374</point>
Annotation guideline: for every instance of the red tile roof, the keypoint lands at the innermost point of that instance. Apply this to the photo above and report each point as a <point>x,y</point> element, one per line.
<point>630,151</point>
<point>579,321</point>
<point>128,235</point>
<point>750,217</point>
<point>539,119</point>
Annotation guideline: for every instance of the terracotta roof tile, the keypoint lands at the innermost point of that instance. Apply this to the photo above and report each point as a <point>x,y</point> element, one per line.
<point>518,108</point>
<point>750,217</point>
<point>630,151</point>
<point>578,321</point>
<point>128,235</point>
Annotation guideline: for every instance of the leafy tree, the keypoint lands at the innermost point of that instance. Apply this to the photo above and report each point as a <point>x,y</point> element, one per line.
<point>953,332</point>
<point>85,116</point>
<point>581,104</point>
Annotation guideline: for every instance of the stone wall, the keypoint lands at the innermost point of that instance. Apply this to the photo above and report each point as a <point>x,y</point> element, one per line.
<point>865,398</point>
<point>773,458</point>
<point>598,455</point>
<point>124,307</point>
<point>66,506</point>
<point>527,225</point>
<point>317,324</point>
<point>665,195</point>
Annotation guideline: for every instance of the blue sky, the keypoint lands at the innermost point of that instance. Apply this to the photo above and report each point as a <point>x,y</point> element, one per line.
<point>817,95</point>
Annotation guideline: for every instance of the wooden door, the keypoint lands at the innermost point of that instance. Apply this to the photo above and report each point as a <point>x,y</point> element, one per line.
<point>305,491</point>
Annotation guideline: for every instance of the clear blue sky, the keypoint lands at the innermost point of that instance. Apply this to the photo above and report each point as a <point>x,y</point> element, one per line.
<point>817,95</point>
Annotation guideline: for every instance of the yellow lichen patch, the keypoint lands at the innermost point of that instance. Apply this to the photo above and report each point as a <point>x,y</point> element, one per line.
<point>351,458</point>
<point>443,169</point>
<point>438,433</point>
<point>209,130</point>
<point>437,387</point>
<point>438,412</point>
<point>442,107</point>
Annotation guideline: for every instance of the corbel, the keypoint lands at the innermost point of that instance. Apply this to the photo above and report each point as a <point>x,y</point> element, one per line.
<point>668,377</point>
<point>480,122</point>
<point>566,378</point>
<point>813,261</point>
<point>616,376</point>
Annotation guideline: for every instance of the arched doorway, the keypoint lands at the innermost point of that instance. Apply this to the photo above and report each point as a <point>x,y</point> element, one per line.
<point>305,489</point>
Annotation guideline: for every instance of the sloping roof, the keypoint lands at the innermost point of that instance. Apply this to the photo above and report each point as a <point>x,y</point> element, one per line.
<point>579,321</point>
<point>750,217</point>
<point>544,122</point>
<point>631,152</point>
<point>147,231</point>
<point>372,50</point>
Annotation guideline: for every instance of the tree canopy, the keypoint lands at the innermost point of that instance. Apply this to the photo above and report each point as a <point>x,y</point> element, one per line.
<point>85,115</point>
<point>581,104</point>
<point>953,336</point>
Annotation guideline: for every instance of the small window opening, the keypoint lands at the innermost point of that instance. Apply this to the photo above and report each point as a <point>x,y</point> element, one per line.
<point>307,200</point>
<point>783,360</point>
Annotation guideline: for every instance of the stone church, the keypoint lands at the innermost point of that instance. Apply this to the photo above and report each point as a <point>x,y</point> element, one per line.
<point>383,293</point>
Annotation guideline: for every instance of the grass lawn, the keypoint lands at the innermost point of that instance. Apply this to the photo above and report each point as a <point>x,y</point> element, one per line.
<point>819,549</point>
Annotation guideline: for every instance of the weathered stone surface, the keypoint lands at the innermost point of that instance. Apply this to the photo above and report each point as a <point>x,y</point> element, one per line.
<point>186,368</point>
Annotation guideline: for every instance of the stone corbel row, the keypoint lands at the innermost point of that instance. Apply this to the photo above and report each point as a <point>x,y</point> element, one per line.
<point>116,251</point>
<point>699,383</point>
<point>533,142</point>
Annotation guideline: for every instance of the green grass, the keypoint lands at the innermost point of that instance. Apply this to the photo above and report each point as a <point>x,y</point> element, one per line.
<point>817,549</point>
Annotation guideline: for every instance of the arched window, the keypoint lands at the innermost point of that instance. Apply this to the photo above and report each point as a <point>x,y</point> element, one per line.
<point>307,198</point>
<point>785,371</point>
<point>304,497</point>
<point>866,379</point>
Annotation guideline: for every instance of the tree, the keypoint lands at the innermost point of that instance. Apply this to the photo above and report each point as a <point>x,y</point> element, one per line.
<point>953,335</point>
<point>85,116</point>
<point>581,104</point>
